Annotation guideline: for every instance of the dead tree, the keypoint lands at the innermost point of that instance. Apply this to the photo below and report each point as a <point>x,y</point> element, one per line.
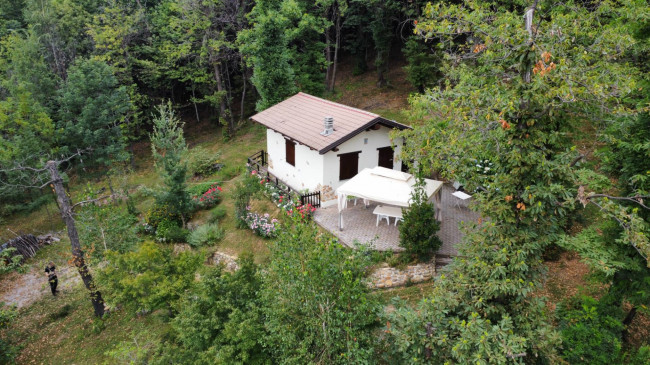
<point>49,175</point>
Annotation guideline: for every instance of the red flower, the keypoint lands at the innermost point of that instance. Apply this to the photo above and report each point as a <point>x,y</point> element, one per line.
<point>219,188</point>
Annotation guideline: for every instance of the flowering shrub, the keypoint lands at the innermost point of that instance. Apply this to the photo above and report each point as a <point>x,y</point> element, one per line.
<point>303,212</point>
<point>209,198</point>
<point>262,225</point>
<point>159,213</point>
<point>277,194</point>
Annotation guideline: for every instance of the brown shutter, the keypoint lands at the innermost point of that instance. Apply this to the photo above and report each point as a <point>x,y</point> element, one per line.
<point>349,165</point>
<point>290,152</point>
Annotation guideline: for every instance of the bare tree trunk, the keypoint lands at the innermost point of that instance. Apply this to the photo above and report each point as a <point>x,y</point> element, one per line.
<point>222,103</point>
<point>336,50</point>
<point>196,109</point>
<point>328,56</point>
<point>243,93</point>
<point>77,253</point>
<point>626,322</point>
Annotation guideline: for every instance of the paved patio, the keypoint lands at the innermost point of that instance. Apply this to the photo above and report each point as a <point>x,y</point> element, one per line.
<point>359,224</point>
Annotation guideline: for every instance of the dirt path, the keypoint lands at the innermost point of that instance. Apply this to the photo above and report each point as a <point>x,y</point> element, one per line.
<point>22,290</point>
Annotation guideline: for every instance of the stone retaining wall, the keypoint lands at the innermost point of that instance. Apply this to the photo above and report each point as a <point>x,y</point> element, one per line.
<point>390,277</point>
<point>229,262</point>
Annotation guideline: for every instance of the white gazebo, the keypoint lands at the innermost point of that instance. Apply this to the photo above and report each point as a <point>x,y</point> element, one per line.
<point>385,186</point>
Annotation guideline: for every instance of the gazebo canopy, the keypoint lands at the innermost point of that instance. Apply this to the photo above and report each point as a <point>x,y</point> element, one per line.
<point>383,185</point>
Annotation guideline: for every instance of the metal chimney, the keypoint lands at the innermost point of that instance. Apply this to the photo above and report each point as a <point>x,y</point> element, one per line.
<point>328,124</point>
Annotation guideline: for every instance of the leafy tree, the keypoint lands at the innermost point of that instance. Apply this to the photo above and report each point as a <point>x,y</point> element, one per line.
<point>92,106</point>
<point>265,47</point>
<point>221,320</point>
<point>418,229</point>
<point>168,146</point>
<point>150,278</point>
<point>590,334</point>
<point>511,95</point>
<point>316,301</point>
<point>423,65</point>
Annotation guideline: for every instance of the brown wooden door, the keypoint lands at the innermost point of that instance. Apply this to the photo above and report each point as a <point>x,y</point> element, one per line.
<point>385,157</point>
<point>349,165</point>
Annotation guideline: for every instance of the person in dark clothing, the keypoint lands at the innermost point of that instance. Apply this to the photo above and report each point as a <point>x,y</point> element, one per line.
<point>50,271</point>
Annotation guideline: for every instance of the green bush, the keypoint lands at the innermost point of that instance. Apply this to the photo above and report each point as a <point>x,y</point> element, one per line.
<point>591,332</point>
<point>170,232</point>
<point>161,212</point>
<point>205,235</point>
<point>8,349</point>
<point>217,214</point>
<point>202,162</point>
<point>230,172</point>
<point>418,230</point>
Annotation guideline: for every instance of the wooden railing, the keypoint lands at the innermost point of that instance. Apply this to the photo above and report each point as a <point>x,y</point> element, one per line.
<point>259,160</point>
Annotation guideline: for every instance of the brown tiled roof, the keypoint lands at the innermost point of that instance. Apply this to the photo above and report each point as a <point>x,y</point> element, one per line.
<point>300,118</point>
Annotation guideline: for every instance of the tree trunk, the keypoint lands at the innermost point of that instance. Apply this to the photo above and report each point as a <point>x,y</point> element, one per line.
<point>336,50</point>
<point>243,93</point>
<point>222,103</point>
<point>328,57</point>
<point>626,322</point>
<point>77,253</point>
<point>196,109</point>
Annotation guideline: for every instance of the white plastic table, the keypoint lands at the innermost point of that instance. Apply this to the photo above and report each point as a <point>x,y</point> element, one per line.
<point>461,196</point>
<point>384,212</point>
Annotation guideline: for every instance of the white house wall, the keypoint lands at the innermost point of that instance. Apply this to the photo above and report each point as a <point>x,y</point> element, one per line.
<point>308,172</point>
<point>367,142</point>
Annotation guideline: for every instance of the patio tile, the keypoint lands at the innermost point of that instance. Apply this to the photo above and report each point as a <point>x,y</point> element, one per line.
<point>359,224</point>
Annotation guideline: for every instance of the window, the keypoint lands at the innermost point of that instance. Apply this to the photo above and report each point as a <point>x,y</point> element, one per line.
<point>349,165</point>
<point>290,147</point>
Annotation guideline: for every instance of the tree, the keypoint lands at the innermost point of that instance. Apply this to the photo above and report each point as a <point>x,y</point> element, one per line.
<point>511,94</point>
<point>316,302</point>
<point>92,106</point>
<point>418,230</point>
<point>423,64</point>
<point>265,48</point>
<point>149,278</point>
<point>168,146</point>
<point>221,320</point>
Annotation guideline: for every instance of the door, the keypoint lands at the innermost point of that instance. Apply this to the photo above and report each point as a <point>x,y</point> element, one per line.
<point>385,157</point>
<point>348,165</point>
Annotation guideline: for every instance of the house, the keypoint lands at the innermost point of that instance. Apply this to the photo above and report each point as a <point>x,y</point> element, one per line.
<point>315,144</point>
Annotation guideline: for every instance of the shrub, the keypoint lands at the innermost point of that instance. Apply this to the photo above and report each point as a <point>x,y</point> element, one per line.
<point>303,212</point>
<point>150,278</point>
<point>590,334</point>
<point>419,226</point>
<point>242,194</point>
<point>10,260</point>
<point>205,234</point>
<point>208,198</point>
<point>217,214</point>
<point>262,225</point>
<point>8,350</point>
<point>170,232</point>
<point>202,162</point>
<point>159,213</point>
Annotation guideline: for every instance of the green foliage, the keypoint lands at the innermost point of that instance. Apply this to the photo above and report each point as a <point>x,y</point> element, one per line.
<point>91,108</point>
<point>150,278</point>
<point>8,350</point>
<point>168,146</point>
<point>317,304</point>
<point>10,261</point>
<point>106,227</point>
<point>639,357</point>
<point>418,230</point>
<point>161,212</point>
<point>204,235</point>
<point>221,321</point>
<point>217,214</point>
<point>265,46</point>
<point>244,190</point>
<point>508,95</point>
<point>423,66</point>
<point>589,333</point>
<point>169,231</point>
<point>202,162</point>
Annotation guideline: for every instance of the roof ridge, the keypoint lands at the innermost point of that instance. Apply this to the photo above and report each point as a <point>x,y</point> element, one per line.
<point>338,105</point>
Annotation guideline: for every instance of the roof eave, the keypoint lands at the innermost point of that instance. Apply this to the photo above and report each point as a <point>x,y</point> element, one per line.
<point>378,120</point>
